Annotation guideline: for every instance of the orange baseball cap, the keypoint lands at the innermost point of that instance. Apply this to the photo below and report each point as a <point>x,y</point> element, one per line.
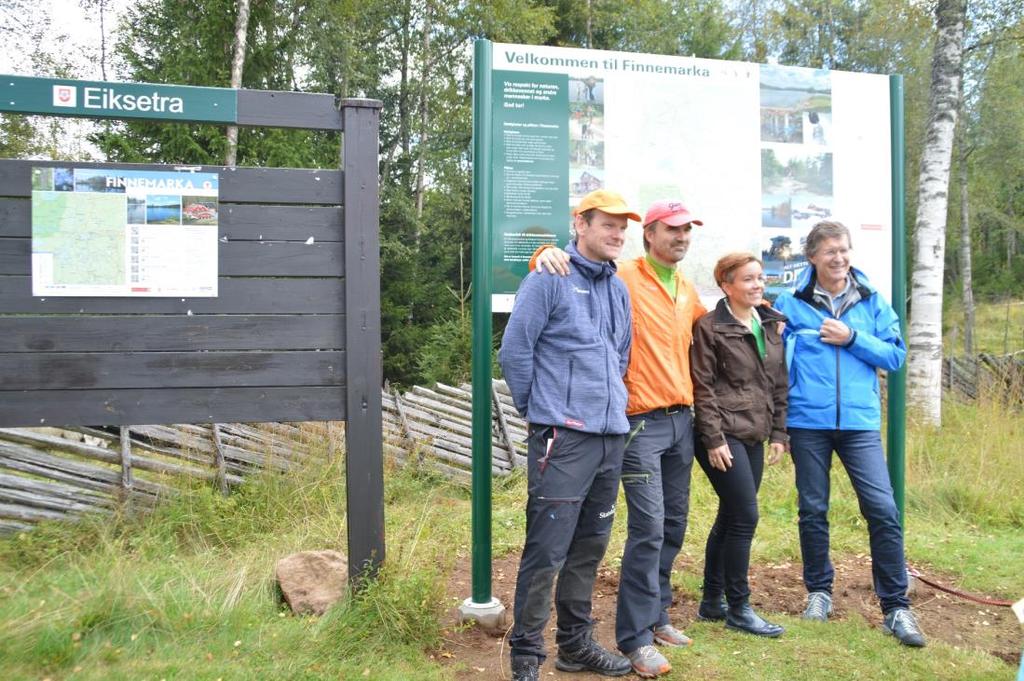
<point>607,201</point>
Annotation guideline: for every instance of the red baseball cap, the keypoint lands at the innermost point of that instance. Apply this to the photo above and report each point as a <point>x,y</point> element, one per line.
<point>671,212</point>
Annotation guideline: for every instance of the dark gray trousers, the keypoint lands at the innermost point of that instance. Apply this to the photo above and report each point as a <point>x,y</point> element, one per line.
<point>573,484</point>
<point>656,479</point>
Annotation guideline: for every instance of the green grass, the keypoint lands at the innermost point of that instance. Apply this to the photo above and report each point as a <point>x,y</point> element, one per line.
<point>188,593</point>
<point>999,326</point>
<point>850,649</point>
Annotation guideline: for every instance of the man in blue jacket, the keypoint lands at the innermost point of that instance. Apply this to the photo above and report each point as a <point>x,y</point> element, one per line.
<point>564,352</point>
<point>840,332</point>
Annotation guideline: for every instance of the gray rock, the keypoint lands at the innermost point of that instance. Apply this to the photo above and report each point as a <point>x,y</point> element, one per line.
<point>312,581</point>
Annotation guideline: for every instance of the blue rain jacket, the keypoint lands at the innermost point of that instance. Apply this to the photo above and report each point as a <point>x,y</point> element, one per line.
<point>832,387</point>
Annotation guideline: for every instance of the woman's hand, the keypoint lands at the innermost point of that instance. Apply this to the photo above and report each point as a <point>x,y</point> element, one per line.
<point>553,260</point>
<point>776,451</point>
<point>720,457</point>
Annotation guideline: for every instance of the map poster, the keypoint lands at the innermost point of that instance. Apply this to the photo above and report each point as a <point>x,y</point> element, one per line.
<point>760,153</point>
<point>104,232</point>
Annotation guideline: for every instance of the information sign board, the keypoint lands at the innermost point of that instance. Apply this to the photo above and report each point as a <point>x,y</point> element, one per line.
<point>759,152</point>
<point>108,232</point>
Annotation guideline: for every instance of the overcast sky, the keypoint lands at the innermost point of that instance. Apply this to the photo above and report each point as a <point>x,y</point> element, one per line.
<point>66,29</point>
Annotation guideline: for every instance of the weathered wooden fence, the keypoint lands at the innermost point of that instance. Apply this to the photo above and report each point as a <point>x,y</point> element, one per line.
<point>433,427</point>
<point>998,375</point>
<point>51,474</point>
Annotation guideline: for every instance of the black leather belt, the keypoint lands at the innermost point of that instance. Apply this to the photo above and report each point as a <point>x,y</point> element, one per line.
<point>671,409</point>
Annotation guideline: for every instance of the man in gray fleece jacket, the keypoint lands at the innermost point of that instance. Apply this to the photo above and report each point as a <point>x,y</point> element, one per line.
<point>564,352</point>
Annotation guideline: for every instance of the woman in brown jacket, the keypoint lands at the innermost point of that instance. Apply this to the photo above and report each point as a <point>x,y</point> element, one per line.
<point>740,384</point>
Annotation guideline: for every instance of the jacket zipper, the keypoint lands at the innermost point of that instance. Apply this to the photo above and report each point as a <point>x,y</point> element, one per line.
<point>568,391</point>
<point>838,391</point>
<point>608,374</point>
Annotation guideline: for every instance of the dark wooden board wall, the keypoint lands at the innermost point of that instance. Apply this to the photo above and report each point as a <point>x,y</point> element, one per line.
<point>293,334</point>
<point>97,348</point>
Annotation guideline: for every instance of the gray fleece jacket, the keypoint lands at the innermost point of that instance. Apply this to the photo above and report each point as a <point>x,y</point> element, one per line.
<point>566,348</point>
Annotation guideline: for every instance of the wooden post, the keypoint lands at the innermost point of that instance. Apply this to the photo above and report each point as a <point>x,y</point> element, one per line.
<point>332,447</point>
<point>364,457</point>
<point>503,425</point>
<point>406,430</point>
<point>126,463</point>
<point>218,457</point>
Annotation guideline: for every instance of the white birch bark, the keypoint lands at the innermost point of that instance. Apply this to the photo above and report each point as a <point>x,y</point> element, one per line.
<point>924,366</point>
<point>237,61</point>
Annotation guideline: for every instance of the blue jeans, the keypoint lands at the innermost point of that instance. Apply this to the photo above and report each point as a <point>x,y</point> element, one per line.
<point>573,483</point>
<point>656,479</point>
<point>861,454</point>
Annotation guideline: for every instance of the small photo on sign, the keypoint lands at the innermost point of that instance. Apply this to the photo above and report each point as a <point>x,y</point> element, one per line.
<point>199,210</point>
<point>42,179</point>
<point>586,89</point>
<point>163,209</point>
<point>136,210</point>
<point>796,105</point>
<point>587,181</point>
<point>796,187</point>
<point>64,179</point>
<point>782,253</point>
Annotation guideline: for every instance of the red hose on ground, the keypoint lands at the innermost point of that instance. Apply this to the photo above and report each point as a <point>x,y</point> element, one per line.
<point>961,594</point>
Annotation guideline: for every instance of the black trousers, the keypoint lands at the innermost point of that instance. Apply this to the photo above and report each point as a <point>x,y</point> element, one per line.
<point>727,554</point>
<point>573,483</point>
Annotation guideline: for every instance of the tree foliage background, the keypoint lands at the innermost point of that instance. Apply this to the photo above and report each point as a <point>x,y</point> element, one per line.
<point>415,56</point>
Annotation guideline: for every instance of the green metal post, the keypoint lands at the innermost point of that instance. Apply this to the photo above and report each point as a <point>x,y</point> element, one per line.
<point>481,368</point>
<point>897,414</point>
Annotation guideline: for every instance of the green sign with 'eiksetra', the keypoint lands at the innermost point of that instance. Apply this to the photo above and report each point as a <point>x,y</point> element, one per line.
<point>99,99</point>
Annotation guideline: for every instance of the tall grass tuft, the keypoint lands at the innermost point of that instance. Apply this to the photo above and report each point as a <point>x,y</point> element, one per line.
<point>970,469</point>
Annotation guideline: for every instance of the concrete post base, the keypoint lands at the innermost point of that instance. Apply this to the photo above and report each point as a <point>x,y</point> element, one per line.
<point>911,586</point>
<point>491,617</point>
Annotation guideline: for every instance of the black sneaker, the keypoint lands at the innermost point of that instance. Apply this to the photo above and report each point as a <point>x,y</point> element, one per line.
<point>525,668</point>
<point>591,656</point>
<point>902,624</point>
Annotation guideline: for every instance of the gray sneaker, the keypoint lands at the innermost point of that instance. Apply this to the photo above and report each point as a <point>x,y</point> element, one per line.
<point>902,624</point>
<point>647,662</point>
<point>667,635</point>
<point>591,656</point>
<point>819,606</point>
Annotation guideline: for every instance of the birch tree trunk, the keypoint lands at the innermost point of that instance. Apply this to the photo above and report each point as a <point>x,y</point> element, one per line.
<point>237,60</point>
<point>924,368</point>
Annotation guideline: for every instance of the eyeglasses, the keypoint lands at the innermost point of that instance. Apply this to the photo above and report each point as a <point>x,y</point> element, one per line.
<point>833,252</point>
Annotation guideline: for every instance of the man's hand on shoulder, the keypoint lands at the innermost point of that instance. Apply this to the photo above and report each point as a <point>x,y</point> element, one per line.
<point>553,260</point>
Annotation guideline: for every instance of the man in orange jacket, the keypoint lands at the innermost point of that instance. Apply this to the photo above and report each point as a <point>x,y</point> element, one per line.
<point>659,452</point>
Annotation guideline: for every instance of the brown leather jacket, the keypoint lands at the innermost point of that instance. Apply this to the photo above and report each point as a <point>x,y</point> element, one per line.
<point>735,391</point>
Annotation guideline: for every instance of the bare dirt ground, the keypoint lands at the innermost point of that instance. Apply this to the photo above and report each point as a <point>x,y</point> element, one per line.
<point>775,589</point>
